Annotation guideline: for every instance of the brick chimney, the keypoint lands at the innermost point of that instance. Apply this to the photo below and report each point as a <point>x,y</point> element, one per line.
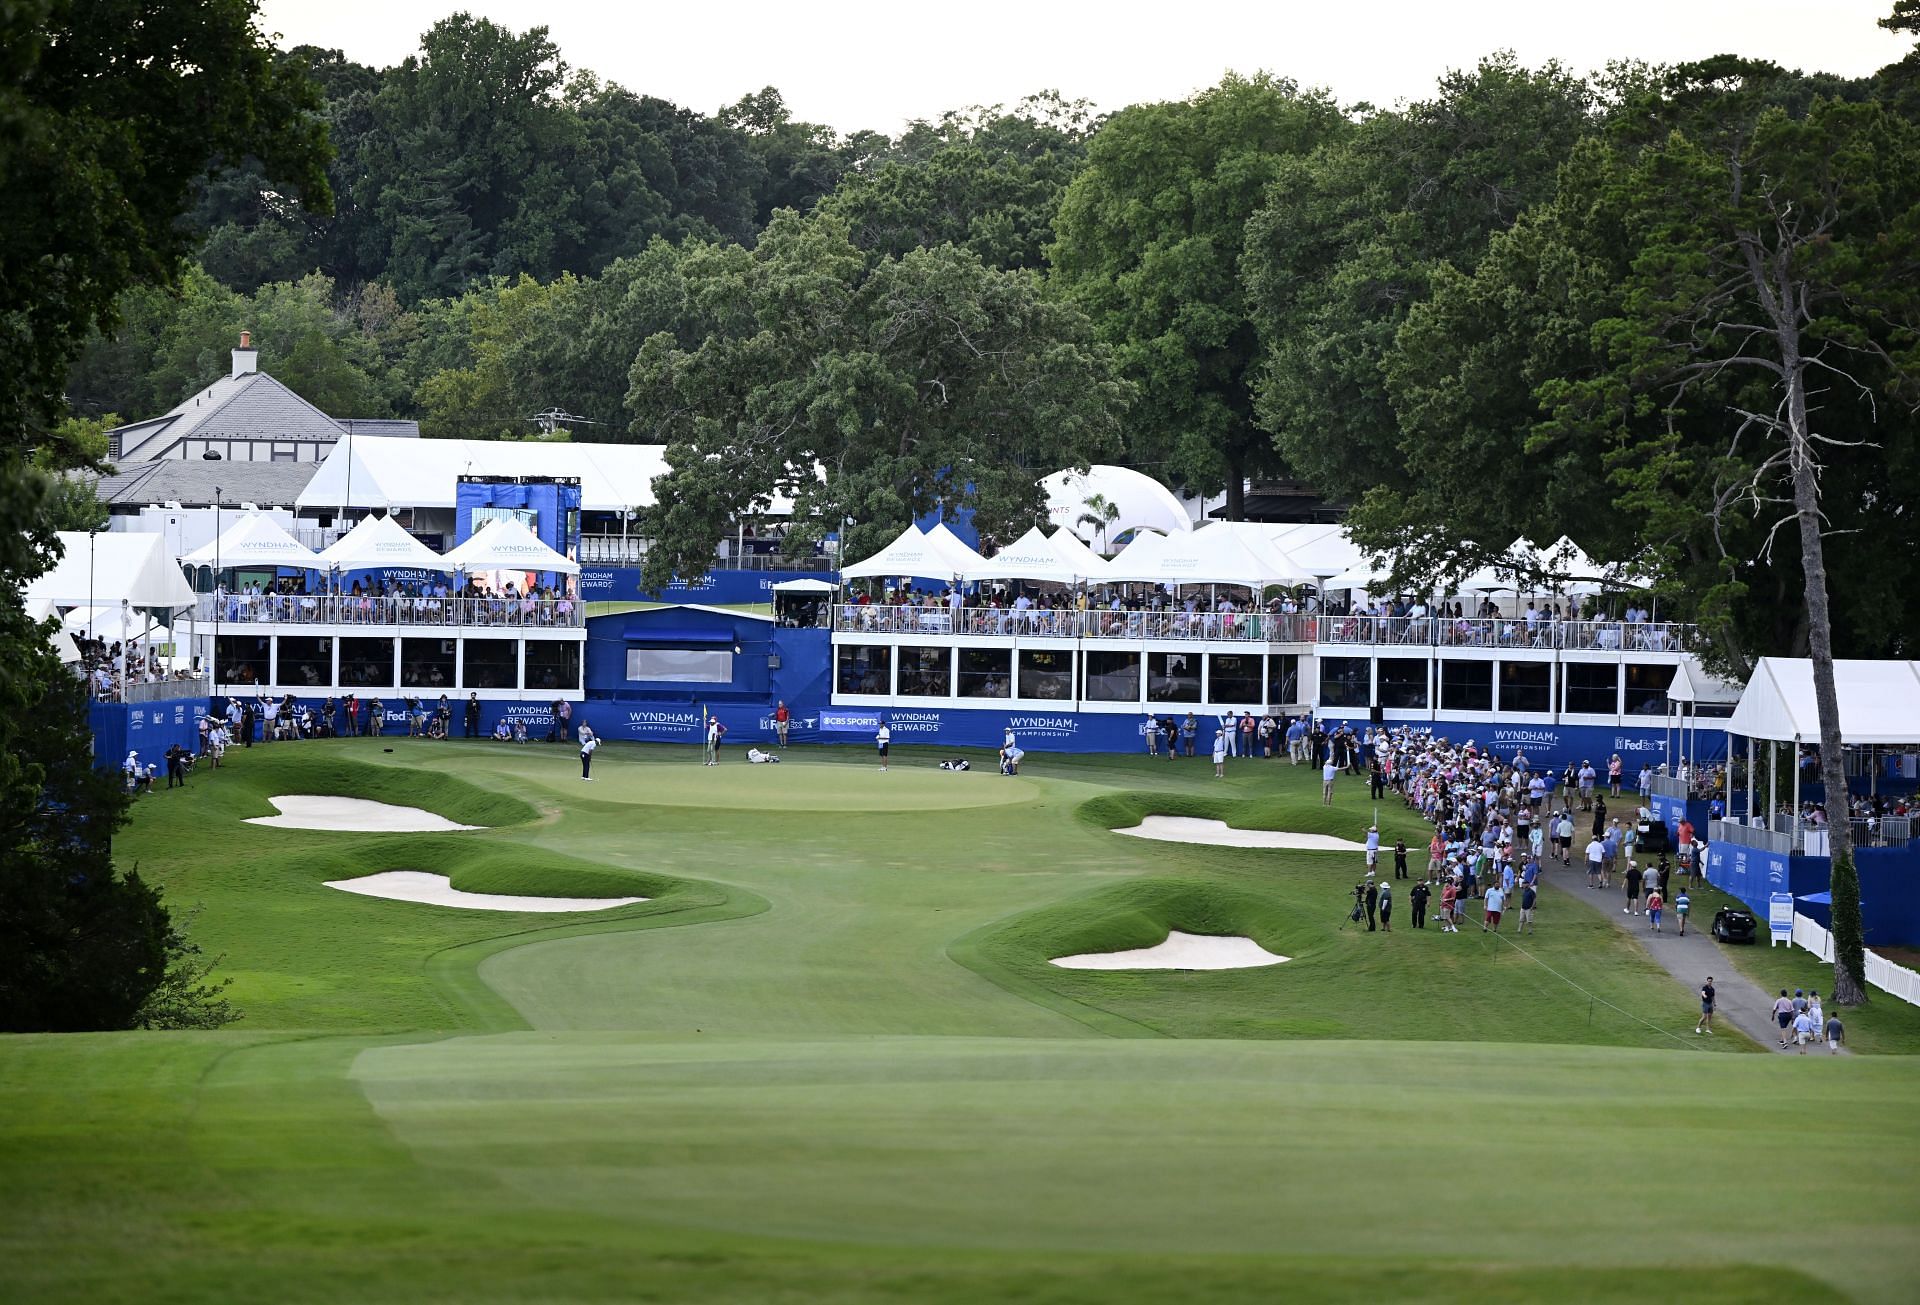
<point>246,359</point>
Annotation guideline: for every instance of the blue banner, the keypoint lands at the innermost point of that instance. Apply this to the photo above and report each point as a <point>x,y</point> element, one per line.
<point>1748,873</point>
<point>149,728</point>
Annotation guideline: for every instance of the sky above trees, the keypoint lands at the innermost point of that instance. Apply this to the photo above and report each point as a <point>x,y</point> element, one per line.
<point>859,64</point>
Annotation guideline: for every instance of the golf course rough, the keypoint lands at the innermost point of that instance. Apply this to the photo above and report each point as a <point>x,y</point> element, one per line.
<point>829,1059</point>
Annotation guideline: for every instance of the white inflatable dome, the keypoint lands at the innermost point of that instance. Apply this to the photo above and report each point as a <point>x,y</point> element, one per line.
<point>1143,503</point>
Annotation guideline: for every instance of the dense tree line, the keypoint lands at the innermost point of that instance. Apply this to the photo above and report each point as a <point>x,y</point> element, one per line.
<point>108,112</point>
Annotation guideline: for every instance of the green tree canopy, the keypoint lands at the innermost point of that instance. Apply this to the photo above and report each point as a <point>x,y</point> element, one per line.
<point>988,180</point>
<point>108,113</point>
<point>869,391</point>
<point>1148,244</point>
<point>1352,236</point>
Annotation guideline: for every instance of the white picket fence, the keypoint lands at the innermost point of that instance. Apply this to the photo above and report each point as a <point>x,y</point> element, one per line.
<point>1895,980</point>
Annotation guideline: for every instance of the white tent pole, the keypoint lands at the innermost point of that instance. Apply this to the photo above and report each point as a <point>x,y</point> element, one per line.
<point>1749,779</point>
<point>1773,779</point>
<point>1795,827</point>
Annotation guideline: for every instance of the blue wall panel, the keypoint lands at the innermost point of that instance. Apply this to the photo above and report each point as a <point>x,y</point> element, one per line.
<point>149,728</point>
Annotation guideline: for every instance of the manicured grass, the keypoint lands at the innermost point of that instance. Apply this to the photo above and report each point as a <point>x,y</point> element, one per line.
<point>830,1062</point>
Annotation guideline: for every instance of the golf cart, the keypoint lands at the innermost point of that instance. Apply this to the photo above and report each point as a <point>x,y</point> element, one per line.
<point>1731,925</point>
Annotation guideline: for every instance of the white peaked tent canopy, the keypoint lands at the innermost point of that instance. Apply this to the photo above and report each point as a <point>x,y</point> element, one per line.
<point>505,544</point>
<point>805,587</point>
<point>1139,561</point>
<point>1257,541</point>
<point>105,569</point>
<point>1692,684</point>
<point>913,553</point>
<point>1033,556</point>
<point>1142,502</point>
<point>1879,702</point>
<point>1090,564</point>
<point>380,542</point>
<point>65,648</point>
<point>256,539</point>
<point>1320,549</point>
<point>954,546</point>
<point>1225,553</point>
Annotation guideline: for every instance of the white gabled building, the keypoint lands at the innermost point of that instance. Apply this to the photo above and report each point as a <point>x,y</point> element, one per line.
<point>246,416</point>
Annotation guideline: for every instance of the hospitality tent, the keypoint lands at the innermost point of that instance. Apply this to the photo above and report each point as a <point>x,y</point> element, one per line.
<point>505,544</point>
<point>953,545</point>
<point>106,569</point>
<point>1139,560</point>
<point>927,556</point>
<point>1320,549</point>
<point>1137,501</point>
<point>1220,554</point>
<point>65,648</point>
<point>380,472</point>
<point>1090,564</point>
<point>255,540</point>
<point>379,542</point>
<point>1879,702</point>
<point>1255,539</point>
<point>805,587</point>
<point>1031,557</point>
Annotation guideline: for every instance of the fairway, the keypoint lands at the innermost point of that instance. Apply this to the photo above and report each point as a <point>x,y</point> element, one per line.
<point>829,1058</point>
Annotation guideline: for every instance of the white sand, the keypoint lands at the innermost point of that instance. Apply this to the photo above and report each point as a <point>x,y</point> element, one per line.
<point>1181,951</point>
<point>1217,833</point>
<point>355,815</point>
<point>438,890</point>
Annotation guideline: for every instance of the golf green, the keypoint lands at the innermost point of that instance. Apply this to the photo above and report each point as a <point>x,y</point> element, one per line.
<point>828,1060</point>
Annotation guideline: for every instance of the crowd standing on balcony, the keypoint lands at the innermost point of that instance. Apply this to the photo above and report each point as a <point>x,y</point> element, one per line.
<point>101,664</point>
<point>436,602</point>
<point>1163,611</point>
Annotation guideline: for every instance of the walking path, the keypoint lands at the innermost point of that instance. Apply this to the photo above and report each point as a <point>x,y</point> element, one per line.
<point>1738,1000</point>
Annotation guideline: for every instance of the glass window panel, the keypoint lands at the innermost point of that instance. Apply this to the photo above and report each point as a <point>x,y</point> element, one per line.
<point>926,672</point>
<point>1403,683</point>
<point>1526,686</point>
<point>426,663</point>
<point>1466,686</point>
<point>1283,679</point>
<point>366,663</point>
<point>1647,687</point>
<point>1234,677</point>
<point>1113,676</point>
<point>1591,688</point>
<point>1046,673</point>
<point>986,672</point>
<point>491,663</point>
<point>1344,682</point>
<point>306,660</point>
<point>554,665</point>
<point>1173,677</point>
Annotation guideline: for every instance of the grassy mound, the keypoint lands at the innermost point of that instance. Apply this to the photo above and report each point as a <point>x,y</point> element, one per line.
<point>241,788</point>
<point>1291,811</point>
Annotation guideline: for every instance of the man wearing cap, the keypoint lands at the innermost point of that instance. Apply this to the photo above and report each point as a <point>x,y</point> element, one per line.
<point>1586,777</point>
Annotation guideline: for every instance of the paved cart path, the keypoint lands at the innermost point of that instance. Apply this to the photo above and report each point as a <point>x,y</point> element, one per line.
<point>1738,1000</point>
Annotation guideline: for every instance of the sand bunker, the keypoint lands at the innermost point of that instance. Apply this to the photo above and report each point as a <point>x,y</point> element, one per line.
<point>1217,833</point>
<point>1181,951</point>
<point>438,890</point>
<point>355,815</point>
